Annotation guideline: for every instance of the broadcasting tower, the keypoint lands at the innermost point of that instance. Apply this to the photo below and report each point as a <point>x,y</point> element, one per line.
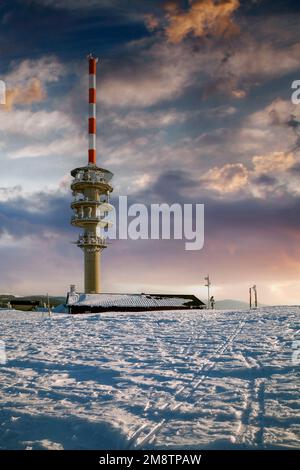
<point>91,189</point>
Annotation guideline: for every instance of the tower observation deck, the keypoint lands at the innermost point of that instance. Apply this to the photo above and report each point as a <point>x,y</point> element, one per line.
<point>91,189</point>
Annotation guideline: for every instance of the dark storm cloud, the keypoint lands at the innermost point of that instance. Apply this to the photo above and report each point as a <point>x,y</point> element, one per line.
<point>69,29</point>
<point>265,180</point>
<point>290,122</point>
<point>235,214</point>
<point>253,216</point>
<point>295,169</point>
<point>167,188</point>
<point>37,215</point>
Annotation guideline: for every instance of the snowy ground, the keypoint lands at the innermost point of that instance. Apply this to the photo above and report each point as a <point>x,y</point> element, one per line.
<point>189,379</point>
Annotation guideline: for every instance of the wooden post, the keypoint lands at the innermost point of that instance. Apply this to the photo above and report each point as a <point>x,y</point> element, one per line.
<point>250,297</point>
<point>255,296</point>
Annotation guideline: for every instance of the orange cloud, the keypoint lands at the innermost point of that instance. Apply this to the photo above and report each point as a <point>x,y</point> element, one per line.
<point>234,177</point>
<point>230,178</point>
<point>203,18</point>
<point>29,94</point>
<point>273,162</point>
<point>238,93</point>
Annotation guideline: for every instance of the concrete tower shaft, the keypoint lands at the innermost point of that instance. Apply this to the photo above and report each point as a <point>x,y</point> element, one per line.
<point>91,189</point>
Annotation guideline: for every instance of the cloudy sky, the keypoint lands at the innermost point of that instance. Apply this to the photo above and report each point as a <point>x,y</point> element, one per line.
<point>194,105</point>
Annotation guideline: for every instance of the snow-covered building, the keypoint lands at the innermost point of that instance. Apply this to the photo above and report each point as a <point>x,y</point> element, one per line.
<point>89,303</point>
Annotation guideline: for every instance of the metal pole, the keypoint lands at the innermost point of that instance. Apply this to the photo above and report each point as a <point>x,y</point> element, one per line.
<point>208,284</point>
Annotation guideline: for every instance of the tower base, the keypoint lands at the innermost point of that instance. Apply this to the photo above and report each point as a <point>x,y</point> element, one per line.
<point>92,272</point>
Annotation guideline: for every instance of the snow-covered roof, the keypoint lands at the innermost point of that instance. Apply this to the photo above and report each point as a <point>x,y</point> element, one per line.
<point>130,300</point>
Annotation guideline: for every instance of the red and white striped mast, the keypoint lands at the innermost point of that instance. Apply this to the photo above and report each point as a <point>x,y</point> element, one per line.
<point>92,108</point>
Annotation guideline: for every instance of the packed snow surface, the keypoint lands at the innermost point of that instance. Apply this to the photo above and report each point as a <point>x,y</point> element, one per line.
<point>176,379</point>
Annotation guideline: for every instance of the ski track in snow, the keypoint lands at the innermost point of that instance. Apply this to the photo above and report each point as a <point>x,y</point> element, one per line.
<point>175,379</point>
<point>185,391</point>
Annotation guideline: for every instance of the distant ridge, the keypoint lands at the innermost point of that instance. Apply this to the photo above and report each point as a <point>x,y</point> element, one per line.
<point>54,300</point>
